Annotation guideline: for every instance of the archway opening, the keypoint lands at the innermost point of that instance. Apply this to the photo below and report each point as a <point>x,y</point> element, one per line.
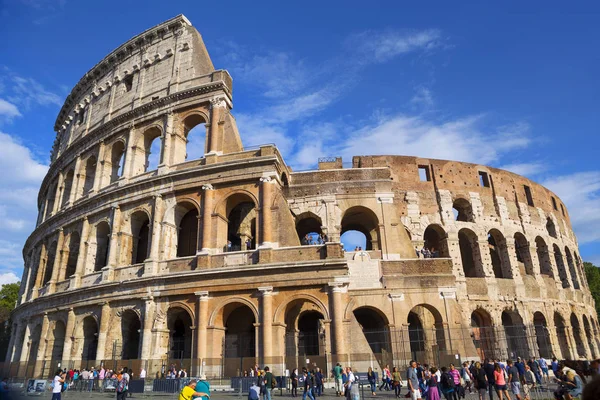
<point>90,338</point>
<point>560,264</point>
<point>572,269</point>
<point>195,134</point>
<point>67,187</point>
<point>353,240</point>
<point>179,323</point>
<point>152,149</point>
<point>117,160</point>
<point>542,336</point>
<point>35,344</point>
<point>241,223</point>
<point>90,174</point>
<point>58,343</point>
<point>187,237</point>
<point>102,241</point>
<point>515,334</point>
<point>462,210</point>
<point>140,230</point>
<point>365,221</point>
<point>523,254</point>
<point>499,255</point>
<point>310,330</point>
<point>50,257</point>
<point>589,334</point>
<point>577,336</point>
<point>543,257</point>
<point>240,334</point>
<point>436,241</point>
<point>376,329</point>
<point>308,227</point>
<point>74,240</point>
<point>482,333</point>
<point>130,333</point>
<point>470,254</point>
<point>551,228</point>
<point>426,333</point>
<point>561,333</point>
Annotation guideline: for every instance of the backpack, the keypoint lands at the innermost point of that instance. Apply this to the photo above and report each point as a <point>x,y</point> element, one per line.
<point>122,385</point>
<point>252,395</point>
<point>273,382</point>
<point>447,381</point>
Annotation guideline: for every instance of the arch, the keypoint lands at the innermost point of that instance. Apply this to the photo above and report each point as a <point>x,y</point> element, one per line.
<point>482,333</point>
<point>542,335</point>
<point>58,341</point>
<point>589,334</point>
<point>279,316</point>
<point>140,231</point>
<point>284,179</point>
<point>67,187</point>
<point>240,334</point>
<point>151,143</point>
<point>179,323</point>
<point>194,131</point>
<point>375,326</point>
<point>50,257</point>
<point>551,228</point>
<point>462,210</point>
<point>470,254</point>
<point>572,269</point>
<point>240,211</point>
<point>515,334</point>
<point>50,199</point>
<point>89,174</point>
<point>90,338</point>
<point>36,334</point>
<point>102,244</point>
<point>577,336</point>
<point>436,241</point>
<point>499,255</point>
<point>364,220</point>
<point>523,254</point>
<point>560,264</point>
<point>187,236</point>
<point>117,160</point>
<point>72,255</point>
<point>130,335</point>
<point>427,337</point>
<point>561,333</point>
<point>308,225</point>
<point>543,257</point>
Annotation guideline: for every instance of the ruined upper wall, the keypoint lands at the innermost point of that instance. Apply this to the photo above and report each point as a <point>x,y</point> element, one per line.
<point>165,59</point>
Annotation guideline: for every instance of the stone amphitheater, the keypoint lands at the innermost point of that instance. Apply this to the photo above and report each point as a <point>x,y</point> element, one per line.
<point>149,254</point>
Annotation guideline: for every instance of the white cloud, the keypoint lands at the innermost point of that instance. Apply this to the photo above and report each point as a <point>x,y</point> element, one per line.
<point>526,169</point>
<point>423,97</point>
<point>8,110</point>
<point>382,46</point>
<point>581,193</point>
<point>28,91</point>
<point>17,164</point>
<point>8,277</point>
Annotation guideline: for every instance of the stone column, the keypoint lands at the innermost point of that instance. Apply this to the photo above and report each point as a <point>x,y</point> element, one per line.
<point>202,325</point>
<point>43,344</point>
<point>27,279</point>
<point>337,288</point>
<point>79,268</point>
<point>266,192</point>
<point>147,327</point>
<point>266,323</point>
<point>39,272</point>
<point>207,205</point>
<point>25,348</point>
<point>69,338</point>
<point>166,157</point>
<point>59,193</point>
<point>11,344</point>
<point>151,265</point>
<point>113,249</point>
<point>103,331</point>
<point>76,181</point>
<point>57,261</point>
<point>218,107</point>
<point>98,176</point>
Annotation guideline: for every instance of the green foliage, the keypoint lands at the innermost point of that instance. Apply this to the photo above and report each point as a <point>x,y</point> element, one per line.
<point>592,273</point>
<point>9,294</point>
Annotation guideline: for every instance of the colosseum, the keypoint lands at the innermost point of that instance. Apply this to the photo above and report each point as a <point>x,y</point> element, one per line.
<point>149,253</point>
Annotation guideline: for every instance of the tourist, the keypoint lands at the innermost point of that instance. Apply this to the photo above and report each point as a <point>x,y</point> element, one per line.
<point>248,244</point>
<point>490,368</point>
<point>500,382</point>
<point>570,385</point>
<point>528,382</point>
<point>57,384</point>
<point>372,380</point>
<point>337,376</point>
<point>481,381</point>
<point>467,377</point>
<point>229,246</point>
<point>254,391</point>
<point>202,386</point>
<point>189,392</point>
<point>544,367</point>
<point>458,389</point>
<point>413,381</point>
<point>514,378</point>
<point>308,385</point>
<point>385,378</point>
<point>447,385</point>
<point>554,365</point>
<point>535,368</point>
<point>396,382</point>
<point>432,382</point>
<point>349,383</point>
<point>318,382</point>
<point>418,254</point>
<point>122,385</point>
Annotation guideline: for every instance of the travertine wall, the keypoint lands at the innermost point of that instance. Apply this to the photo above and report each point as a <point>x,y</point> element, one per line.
<point>201,259</point>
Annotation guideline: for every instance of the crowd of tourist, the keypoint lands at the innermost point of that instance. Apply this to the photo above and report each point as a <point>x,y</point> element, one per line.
<point>313,239</point>
<point>426,253</point>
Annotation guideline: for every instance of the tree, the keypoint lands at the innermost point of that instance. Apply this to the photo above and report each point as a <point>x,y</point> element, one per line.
<point>9,293</point>
<point>592,273</point>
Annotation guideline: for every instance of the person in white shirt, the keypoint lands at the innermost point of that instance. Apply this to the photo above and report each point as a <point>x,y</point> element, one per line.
<point>349,382</point>
<point>142,373</point>
<point>57,384</point>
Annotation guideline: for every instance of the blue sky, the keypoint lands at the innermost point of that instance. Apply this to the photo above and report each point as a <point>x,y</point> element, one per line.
<point>511,85</point>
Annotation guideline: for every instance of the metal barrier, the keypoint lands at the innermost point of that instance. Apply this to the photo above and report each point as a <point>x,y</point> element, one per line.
<point>169,385</point>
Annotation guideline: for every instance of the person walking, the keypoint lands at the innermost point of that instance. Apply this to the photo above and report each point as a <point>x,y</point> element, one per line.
<point>372,380</point>
<point>514,378</point>
<point>270,383</point>
<point>447,385</point>
<point>413,381</point>
<point>57,384</point>
<point>465,374</point>
<point>396,382</point>
<point>481,381</point>
<point>337,376</point>
<point>349,383</point>
<point>294,379</point>
<point>433,393</point>
<point>489,373</point>
<point>308,385</point>
<point>500,380</point>
<point>385,378</point>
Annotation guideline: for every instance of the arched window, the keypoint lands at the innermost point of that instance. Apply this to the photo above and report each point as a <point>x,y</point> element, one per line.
<point>241,229</point>
<point>560,264</point>
<point>363,220</point>
<point>499,255</point>
<point>51,255</point>
<point>375,327</point>
<point>470,254</point>
<point>74,240</point>
<point>483,334</point>
<point>572,268</point>
<point>562,335</point>
<point>58,336</point>
<point>90,338</point>
<point>102,242</point>
<point>542,335</point>
<point>130,333</point>
<point>51,199</point>
<point>152,149</point>
<point>577,336</point>
<point>140,229</point>
<point>308,227</point>
<point>516,335</point>
<point>436,241</point>
<point>523,254</point>
<point>195,134</point>
<point>543,257</point>
<point>187,238</point>
<point>117,160</point>
<point>67,187</point>
<point>90,173</point>
<point>551,228</point>
<point>463,211</point>
<point>179,323</point>
<point>426,332</point>
<point>240,337</point>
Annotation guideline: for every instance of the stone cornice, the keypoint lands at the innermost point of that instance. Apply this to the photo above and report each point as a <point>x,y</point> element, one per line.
<point>116,56</point>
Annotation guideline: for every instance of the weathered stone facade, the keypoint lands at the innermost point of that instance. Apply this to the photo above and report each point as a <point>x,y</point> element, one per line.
<point>201,261</point>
